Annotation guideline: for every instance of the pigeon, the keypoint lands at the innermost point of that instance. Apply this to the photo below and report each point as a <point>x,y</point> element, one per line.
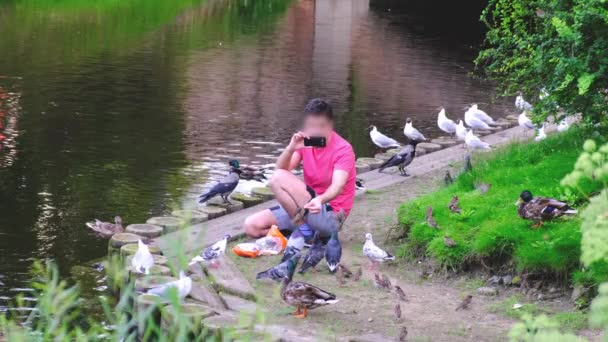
<point>212,253</point>
<point>401,159</point>
<point>374,253</point>
<point>411,132</point>
<point>358,274</point>
<point>541,135</point>
<point>524,121</point>
<point>225,187</point>
<point>142,260</point>
<point>333,252</point>
<point>183,286</point>
<point>522,104</point>
<point>403,334</point>
<point>429,218</point>
<point>294,245</point>
<point>563,125</point>
<point>453,206</point>
<point>449,242</point>
<point>315,254</point>
<point>398,311</point>
<point>474,142</point>
<point>481,115</point>
<point>107,229</point>
<point>473,121</point>
<point>280,271</point>
<point>382,140</point>
<point>461,131</point>
<point>465,303</point>
<point>445,124</point>
<point>400,293</point>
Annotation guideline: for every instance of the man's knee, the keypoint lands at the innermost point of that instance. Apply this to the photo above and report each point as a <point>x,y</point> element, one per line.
<point>278,179</point>
<point>253,227</point>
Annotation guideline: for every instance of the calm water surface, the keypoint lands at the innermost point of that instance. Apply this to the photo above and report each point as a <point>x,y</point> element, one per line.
<point>133,109</point>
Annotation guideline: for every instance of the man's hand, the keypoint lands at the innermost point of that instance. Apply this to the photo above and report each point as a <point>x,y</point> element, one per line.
<point>297,141</point>
<point>315,205</point>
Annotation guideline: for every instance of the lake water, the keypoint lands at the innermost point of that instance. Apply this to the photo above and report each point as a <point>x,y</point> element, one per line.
<point>134,108</point>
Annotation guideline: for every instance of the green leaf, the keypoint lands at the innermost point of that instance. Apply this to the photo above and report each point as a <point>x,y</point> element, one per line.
<point>566,82</point>
<point>584,82</point>
<point>563,30</point>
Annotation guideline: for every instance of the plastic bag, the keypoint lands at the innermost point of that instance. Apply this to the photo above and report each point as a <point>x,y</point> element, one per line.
<point>272,244</point>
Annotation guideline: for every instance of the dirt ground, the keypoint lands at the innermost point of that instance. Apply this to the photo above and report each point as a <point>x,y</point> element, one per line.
<point>366,313</point>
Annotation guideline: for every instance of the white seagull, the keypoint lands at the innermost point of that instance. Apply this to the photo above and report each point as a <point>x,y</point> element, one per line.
<point>382,140</point>
<point>142,260</point>
<point>212,253</point>
<point>182,286</point>
<point>461,131</point>
<point>522,104</point>
<point>412,133</point>
<point>481,115</point>
<point>541,135</point>
<point>524,121</point>
<point>563,125</point>
<point>375,254</point>
<point>444,123</point>
<point>474,142</point>
<point>473,121</point>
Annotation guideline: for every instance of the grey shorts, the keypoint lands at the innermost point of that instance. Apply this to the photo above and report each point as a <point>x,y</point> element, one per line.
<point>325,222</point>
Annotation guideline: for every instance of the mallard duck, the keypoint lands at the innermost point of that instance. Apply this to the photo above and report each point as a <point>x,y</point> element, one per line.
<point>253,173</point>
<point>305,296</point>
<point>539,209</point>
<point>107,229</point>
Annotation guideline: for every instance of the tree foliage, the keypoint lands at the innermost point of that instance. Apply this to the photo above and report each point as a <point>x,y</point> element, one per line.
<point>554,51</point>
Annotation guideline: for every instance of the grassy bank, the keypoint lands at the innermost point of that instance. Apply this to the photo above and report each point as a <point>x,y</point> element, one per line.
<point>489,231</point>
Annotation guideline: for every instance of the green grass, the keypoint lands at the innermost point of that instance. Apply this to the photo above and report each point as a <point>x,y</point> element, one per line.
<point>489,228</point>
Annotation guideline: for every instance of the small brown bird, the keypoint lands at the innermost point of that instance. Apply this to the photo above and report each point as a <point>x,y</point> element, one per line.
<point>345,271</point>
<point>449,242</point>
<point>380,283</point>
<point>403,334</point>
<point>429,218</point>
<point>400,293</point>
<point>465,303</point>
<point>398,311</point>
<point>453,206</point>
<point>358,274</point>
<point>483,188</point>
<point>387,281</point>
<point>340,276</point>
<point>448,178</point>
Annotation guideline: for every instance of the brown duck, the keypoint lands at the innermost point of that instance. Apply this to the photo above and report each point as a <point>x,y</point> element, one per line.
<point>305,296</point>
<point>107,229</point>
<point>539,209</point>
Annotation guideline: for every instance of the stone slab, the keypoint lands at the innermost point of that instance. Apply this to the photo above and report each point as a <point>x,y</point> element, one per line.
<point>158,260</point>
<point>444,142</point>
<point>231,207</point>
<point>145,229</point>
<point>131,249</point>
<point>228,278</point>
<point>212,211</point>
<point>262,192</point>
<point>372,162</point>
<point>168,223</point>
<point>429,147</point>
<point>362,167</point>
<point>420,151</point>
<point>236,303</point>
<point>247,200</point>
<point>121,239</point>
<point>190,216</point>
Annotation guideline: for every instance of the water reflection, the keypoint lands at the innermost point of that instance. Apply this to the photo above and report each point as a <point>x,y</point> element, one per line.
<point>134,108</point>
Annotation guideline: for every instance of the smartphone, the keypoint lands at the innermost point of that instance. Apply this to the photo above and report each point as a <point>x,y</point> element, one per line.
<point>315,142</point>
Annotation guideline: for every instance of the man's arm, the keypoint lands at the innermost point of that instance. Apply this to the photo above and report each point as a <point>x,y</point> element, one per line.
<point>290,158</point>
<point>338,180</point>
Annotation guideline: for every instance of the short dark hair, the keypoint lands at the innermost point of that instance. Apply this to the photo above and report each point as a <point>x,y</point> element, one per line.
<point>319,107</point>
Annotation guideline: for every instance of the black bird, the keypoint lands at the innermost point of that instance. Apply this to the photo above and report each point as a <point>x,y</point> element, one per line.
<point>333,252</point>
<point>402,159</point>
<point>282,270</point>
<point>315,254</point>
<point>225,187</point>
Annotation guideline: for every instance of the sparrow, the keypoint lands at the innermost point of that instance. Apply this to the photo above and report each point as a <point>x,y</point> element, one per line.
<point>453,206</point>
<point>358,274</point>
<point>398,311</point>
<point>429,218</point>
<point>449,242</point>
<point>345,271</point>
<point>400,293</point>
<point>387,281</point>
<point>403,334</point>
<point>465,303</point>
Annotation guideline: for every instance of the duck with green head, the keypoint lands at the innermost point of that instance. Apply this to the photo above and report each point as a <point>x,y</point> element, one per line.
<point>539,209</point>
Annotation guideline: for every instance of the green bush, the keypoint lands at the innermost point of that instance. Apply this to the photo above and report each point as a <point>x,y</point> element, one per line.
<point>556,45</point>
<point>489,230</point>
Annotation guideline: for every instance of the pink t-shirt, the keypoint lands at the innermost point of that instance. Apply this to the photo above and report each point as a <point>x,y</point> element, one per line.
<point>319,165</point>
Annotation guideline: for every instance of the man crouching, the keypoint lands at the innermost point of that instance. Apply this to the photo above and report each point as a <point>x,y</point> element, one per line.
<point>329,179</point>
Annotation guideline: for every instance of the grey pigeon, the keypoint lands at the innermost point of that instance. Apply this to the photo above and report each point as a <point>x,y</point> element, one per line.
<point>280,271</point>
<point>333,252</point>
<point>315,254</point>
<point>213,252</point>
<point>225,187</point>
<point>294,245</point>
<point>401,159</point>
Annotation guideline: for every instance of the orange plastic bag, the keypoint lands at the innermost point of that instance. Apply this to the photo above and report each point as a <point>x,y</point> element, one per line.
<point>272,244</point>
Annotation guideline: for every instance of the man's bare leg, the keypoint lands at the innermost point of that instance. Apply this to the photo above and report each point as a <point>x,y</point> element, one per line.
<point>289,189</point>
<point>258,224</point>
